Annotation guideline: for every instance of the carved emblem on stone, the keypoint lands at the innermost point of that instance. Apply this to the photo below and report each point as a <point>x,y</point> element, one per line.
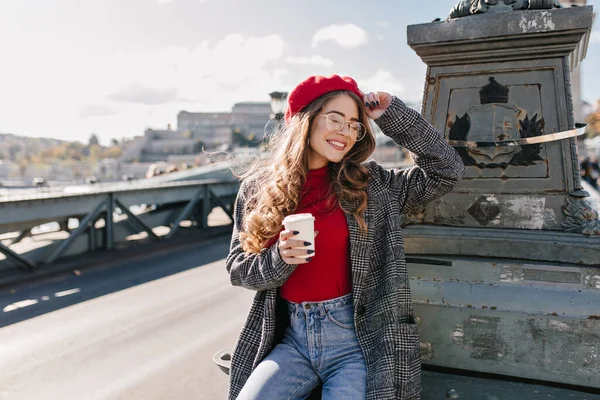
<point>470,7</point>
<point>581,217</point>
<point>502,124</point>
<point>495,121</point>
<point>485,210</point>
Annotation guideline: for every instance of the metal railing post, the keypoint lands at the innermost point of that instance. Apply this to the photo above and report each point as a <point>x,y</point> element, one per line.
<point>91,236</point>
<point>110,233</point>
<point>22,235</point>
<point>135,221</point>
<point>15,258</point>
<point>220,203</point>
<point>81,228</point>
<point>188,208</point>
<point>206,206</point>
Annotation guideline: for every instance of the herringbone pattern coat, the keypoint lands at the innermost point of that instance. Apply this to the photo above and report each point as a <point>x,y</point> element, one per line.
<point>384,319</point>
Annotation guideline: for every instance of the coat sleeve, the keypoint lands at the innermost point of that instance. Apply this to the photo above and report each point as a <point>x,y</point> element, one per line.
<point>438,167</point>
<point>265,270</point>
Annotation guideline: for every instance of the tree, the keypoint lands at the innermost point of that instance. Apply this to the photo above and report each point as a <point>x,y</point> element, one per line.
<point>93,140</point>
<point>13,151</point>
<point>112,152</point>
<point>95,152</point>
<point>593,120</point>
<point>241,139</point>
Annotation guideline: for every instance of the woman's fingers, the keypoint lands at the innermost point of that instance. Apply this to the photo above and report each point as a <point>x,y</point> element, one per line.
<point>371,100</point>
<point>376,103</point>
<point>284,235</point>
<point>367,100</point>
<point>289,253</point>
<point>295,260</point>
<point>385,99</point>
<point>296,256</point>
<point>291,250</point>
<point>291,243</point>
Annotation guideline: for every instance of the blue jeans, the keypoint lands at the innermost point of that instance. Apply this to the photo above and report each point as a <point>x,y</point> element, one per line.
<point>319,347</point>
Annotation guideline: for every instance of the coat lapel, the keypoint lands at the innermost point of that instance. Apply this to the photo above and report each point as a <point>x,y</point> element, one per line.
<point>360,245</point>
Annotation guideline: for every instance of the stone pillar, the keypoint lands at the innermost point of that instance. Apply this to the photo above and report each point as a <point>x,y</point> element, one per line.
<point>499,75</point>
<point>576,70</point>
<point>504,271</point>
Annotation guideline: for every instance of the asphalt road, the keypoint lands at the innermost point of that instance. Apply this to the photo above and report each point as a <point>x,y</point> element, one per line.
<point>139,329</point>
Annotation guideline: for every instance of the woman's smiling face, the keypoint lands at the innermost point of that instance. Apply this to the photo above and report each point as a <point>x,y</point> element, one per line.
<point>326,146</point>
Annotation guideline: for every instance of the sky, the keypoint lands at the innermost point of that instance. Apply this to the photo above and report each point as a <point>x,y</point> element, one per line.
<point>70,68</point>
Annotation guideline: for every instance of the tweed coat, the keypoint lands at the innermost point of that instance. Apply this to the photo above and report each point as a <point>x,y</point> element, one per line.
<point>383,309</point>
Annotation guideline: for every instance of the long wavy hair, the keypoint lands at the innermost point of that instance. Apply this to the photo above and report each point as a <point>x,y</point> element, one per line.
<point>277,180</point>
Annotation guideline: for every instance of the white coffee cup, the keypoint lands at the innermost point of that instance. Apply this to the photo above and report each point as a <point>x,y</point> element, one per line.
<point>305,225</point>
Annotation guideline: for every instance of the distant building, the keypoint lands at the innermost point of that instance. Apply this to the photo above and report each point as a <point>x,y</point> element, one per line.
<point>8,169</point>
<point>251,118</point>
<point>196,131</point>
<point>215,129</point>
<point>159,144</point>
<point>93,140</point>
<point>108,169</point>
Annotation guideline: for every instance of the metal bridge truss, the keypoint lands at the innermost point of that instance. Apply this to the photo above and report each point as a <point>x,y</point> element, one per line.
<point>106,219</point>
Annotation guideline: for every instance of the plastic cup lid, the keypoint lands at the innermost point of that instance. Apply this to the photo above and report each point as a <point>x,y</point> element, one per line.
<point>298,217</point>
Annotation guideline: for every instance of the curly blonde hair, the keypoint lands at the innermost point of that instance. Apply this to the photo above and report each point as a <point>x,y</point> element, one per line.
<point>278,178</point>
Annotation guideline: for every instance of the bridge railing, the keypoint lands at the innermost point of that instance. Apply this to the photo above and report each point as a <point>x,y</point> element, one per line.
<point>105,218</point>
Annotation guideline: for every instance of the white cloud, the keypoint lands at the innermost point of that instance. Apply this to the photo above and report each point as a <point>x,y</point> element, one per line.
<point>312,60</point>
<point>208,74</point>
<point>347,36</point>
<point>69,95</point>
<point>409,91</point>
<point>280,73</point>
<point>382,81</point>
<point>136,93</point>
<point>170,1</point>
<point>95,110</point>
<point>595,37</point>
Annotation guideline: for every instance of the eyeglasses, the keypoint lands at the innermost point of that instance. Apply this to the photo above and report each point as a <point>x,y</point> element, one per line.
<point>335,124</point>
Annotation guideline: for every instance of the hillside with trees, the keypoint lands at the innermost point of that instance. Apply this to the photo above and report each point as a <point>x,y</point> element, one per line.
<point>25,157</point>
<point>593,120</point>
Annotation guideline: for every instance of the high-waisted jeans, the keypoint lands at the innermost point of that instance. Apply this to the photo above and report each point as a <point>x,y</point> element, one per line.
<point>319,347</point>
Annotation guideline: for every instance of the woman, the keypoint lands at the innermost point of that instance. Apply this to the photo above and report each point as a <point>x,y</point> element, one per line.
<point>343,317</point>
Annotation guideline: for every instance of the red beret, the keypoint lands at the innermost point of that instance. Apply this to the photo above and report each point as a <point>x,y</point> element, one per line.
<point>314,87</point>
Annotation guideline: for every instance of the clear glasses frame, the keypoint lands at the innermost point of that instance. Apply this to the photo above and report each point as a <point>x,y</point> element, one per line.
<point>335,124</point>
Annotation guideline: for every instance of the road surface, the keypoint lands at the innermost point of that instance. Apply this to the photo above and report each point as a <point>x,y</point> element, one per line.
<point>143,329</point>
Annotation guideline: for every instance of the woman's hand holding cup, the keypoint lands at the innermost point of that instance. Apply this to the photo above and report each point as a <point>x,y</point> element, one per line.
<point>293,251</point>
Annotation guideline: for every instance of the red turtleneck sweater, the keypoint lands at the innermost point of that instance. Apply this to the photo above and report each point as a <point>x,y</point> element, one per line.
<point>327,275</point>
